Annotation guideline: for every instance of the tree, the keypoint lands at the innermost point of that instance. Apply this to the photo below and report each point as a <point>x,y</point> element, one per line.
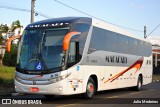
<point>1,39</point>
<point>16,24</point>
<point>3,29</point>
<point>10,58</point>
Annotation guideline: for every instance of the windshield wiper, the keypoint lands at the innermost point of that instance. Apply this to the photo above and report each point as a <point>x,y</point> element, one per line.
<point>32,58</point>
<point>38,58</point>
<point>42,60</point>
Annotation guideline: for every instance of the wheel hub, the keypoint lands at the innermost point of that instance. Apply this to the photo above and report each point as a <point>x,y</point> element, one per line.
<point>91,88</point>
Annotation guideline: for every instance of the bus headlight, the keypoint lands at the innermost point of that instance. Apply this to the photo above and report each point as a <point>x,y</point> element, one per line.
<point>56,79</point>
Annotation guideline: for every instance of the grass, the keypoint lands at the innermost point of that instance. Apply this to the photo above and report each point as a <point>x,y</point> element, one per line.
<point>6,80</point>
<point>7,75</point>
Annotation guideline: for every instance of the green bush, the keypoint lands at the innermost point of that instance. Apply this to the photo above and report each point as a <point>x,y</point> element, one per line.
<point>10,58</point>
<point>7,75</point>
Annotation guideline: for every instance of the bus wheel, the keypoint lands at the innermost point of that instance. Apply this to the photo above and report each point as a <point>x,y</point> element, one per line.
<point>49,96</point>
<point>139,84</point>
<point>90,89</point>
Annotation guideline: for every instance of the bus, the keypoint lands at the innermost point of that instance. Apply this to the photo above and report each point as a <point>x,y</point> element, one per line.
<point>80,55</point>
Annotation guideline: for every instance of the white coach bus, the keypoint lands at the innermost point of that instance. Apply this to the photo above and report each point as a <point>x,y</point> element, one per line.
<point>73,55</point>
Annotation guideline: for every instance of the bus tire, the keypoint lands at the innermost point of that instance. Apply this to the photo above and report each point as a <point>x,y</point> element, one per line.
<point>90,89</point>
<point>139,84</point>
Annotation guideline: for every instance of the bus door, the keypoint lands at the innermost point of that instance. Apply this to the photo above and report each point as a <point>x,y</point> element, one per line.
<point>73,56</point>
<point>77,71</point>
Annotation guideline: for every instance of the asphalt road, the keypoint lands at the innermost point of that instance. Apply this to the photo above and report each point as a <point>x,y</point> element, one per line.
<point>149,95</point>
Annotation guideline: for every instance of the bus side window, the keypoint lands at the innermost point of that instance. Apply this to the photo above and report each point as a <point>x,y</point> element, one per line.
<point>73,53</point>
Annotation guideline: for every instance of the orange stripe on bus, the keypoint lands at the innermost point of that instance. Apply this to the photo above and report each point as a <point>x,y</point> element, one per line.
<point>39,76</point>
<point>136,65</point>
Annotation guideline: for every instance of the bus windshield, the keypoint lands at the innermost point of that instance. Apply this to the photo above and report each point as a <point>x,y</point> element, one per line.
<point>41,49</point>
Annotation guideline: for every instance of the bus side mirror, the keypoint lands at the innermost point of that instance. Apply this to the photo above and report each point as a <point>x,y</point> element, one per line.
<point>67,39</point>
<point>8,43</point>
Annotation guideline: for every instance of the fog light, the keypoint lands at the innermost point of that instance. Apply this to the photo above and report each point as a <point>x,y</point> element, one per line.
<point>15,87</point>
<point>60,89</point>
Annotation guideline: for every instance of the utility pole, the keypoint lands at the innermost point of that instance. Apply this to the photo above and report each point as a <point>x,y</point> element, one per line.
<point>32,10</point>
<point>145,31</point>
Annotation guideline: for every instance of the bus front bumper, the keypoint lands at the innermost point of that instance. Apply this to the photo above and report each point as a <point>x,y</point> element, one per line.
<point>58,88</point>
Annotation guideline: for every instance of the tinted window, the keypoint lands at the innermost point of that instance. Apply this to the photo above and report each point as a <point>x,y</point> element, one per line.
<point>98,40</point>
<point>103,40</point>
<point>83,28</point>
<point>41,47</point>
<point>110,41</point>
<point>122,44</point>
<point>132,46</point>
<point>111,44</point>
<point>72,52</point>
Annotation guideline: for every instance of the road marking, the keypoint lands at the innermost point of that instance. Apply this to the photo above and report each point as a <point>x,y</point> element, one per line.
<point>108,97</point>
<point>112,97</point>
<point>141,91</point>
<point>134,93</point>
<point>67,105</point>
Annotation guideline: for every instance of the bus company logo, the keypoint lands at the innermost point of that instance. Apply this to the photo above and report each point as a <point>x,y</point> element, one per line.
<point>6,101</point>
<point>116,59</point>
<point>34,82</point>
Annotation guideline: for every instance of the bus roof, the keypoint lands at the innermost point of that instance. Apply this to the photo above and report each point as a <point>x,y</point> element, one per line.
<point>63,20</point>
<point>113,28</point>
<point>95,22</point>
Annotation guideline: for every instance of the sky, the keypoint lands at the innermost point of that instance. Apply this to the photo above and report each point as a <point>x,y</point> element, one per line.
<point>134,14</point>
